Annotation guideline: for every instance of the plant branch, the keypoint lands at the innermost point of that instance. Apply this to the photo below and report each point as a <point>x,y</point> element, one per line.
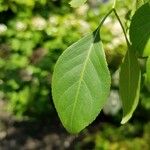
<point>103,20</point>
<point>123,29</point>
<point>118,18</point>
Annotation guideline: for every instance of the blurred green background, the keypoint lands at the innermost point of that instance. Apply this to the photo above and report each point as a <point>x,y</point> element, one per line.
<point>33,34</point>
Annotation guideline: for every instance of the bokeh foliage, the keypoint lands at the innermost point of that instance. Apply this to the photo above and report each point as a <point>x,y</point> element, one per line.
<point>32,36</point>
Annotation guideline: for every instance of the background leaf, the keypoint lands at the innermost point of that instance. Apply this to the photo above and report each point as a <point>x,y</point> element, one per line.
<point>130,78</point>
<point>139,3</point>
<point>77,3</point>
<point>140,30</point>
<point>81,83</point>
<point>148,71</point>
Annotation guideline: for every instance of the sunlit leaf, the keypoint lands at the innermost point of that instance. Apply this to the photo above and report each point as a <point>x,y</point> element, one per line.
<point>140,30</point>
<point>81,83</point>
<point>77,3</point>
<point>130,78</point>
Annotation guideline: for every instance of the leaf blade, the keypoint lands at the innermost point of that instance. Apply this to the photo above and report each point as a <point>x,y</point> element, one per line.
<point>139,3</point>
<point>129,85</point>
<point>140,30</point>
<point>88,83</point>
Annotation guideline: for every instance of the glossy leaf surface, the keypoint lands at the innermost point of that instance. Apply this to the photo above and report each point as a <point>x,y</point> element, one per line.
<point>81,83</point>
<point>130,78</point>
<point>140,30</point>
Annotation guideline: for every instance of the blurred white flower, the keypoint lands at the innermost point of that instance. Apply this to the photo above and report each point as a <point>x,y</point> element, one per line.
<point>70,21</point>
<point>39,23</point>
<point>118,41</point>
<point>84,26</point>
<point>82,10</point>
<point>117,31</point>
<point>53,20</point>
<point>3,28</point>
<point>115,78</point>
<point>113,104</point>
<point>108,21</point>
<point>26,74</point>
<point>20,26</point>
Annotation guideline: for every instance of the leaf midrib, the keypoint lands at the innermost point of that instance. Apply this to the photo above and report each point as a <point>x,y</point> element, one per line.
<point>129,85</point>
<point>81,78</point>
<point>129,65</point>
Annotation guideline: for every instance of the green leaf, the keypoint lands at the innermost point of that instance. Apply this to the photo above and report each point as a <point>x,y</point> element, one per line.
<point>148,71</point>
<point>139,3</point>
<point>140,30</point>
<point>130,78</point>
<point>81,83</point>
<point>77,3</point>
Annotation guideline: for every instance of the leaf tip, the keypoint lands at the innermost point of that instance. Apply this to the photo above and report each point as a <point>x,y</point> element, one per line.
<point>126,118</point>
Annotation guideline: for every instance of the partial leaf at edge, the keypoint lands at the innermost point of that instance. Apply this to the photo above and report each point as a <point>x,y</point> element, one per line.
<point>140,30</point>
<point>77,3</point>
<point>148,71</point>
<point>130,79</point>
<point>81,83</point>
